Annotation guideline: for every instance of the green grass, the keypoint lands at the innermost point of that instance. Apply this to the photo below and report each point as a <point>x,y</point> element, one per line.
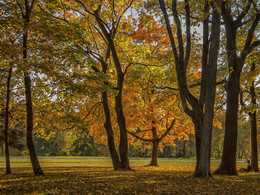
<point>95,160</point>
<point>98,177</point>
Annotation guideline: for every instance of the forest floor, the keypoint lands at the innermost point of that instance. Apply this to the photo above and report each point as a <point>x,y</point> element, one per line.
<point>98,177</point>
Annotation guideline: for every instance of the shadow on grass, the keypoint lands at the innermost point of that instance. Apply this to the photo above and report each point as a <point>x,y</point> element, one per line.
<point>95,179</point>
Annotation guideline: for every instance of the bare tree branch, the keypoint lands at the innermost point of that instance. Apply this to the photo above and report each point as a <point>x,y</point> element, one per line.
<point>243,13</point>
<point>167,131</point>
<point>136,136</point>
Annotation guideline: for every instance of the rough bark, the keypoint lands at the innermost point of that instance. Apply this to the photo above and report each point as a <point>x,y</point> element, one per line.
<point>204,164</point>
<point>7,155</point>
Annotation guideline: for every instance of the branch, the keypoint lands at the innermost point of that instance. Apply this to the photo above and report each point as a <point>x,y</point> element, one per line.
<point>83,5</point>
<point>168,26</point>
<point>127,68</point>
<point>101,35</point>
<point>167,87</point>
<point>93,14</point>
<point>158,65</point>
<point>191,86</point>
<point>253,46</point>
<point>167,131</point>
<point>92,108</point>
<point>63,19</point>
<point>243,13</point>
<point>136,136</point>
<point>120,17</point>
<point>188,42</point>
<point>19,5</point>
<point>179,30</point>
<point>250,36</point>
<point>31,7</point>
<point>205,53</point>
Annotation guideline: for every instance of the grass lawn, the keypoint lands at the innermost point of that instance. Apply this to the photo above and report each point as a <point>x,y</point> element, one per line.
<point>97,177</point>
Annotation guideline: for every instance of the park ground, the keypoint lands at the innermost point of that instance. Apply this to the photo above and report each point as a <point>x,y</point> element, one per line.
<point>96,176</point>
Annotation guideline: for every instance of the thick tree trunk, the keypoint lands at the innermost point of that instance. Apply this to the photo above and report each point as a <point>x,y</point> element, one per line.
<point>28,96</point>
<point>154,153</point>
<point>29,138</point>
<point>252,115</point>
<point>228,162</point>
<point>123,145</point>
<point>254,152</point>
<point>7,155</point>
<point>205,153</point>
<point>235,63</point>
<point>110,133</point>
<point>198,122</point>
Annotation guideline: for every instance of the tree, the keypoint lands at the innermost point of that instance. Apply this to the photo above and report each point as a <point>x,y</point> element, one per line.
<point>248,16</point>
<point>106,20</point>
<point>253,121</point>
<point>206,134</point>
<point>25,10</point>
<point>8,54</point>
<point>193,106</point>
<point>151,110</point>
<point>7,157</point>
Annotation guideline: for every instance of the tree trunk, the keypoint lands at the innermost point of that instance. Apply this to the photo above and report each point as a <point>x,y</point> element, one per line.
<point>252,115</point>
<point>181,64</point>
<point>110,133</point>
<point>254,153</point>
<point>123,145</point>
<point>198,121</point>
<point>205,153</point>
<point>184,149</point>
<point>7,155</point>
<point>154,153</point>
<point>228,161</point>
<point>29,138</point>
<point>28,96</point>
